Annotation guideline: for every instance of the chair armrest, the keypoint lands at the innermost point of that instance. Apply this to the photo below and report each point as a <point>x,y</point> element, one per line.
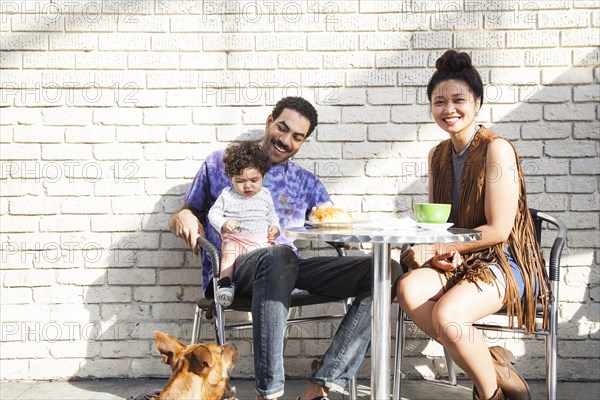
<point>339,247</point>
<point>557,246</point>
<point>212,252</point>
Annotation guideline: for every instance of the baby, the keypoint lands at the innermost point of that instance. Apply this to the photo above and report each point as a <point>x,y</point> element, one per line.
<point>244,214</point>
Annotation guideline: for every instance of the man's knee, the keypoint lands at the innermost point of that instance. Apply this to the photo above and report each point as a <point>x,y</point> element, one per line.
<point>278,259</point>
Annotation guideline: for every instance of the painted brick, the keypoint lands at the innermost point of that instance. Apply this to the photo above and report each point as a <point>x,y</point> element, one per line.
<point>322,79</point>
<point>586,93</point>
<point>74,41</point>
<point>278,42</point>
<point>410,114</point>
<point>520,112</point>
<point>545,94</point>
<point>431,40</point>
<point>577,75</point>
<point>345,133</point>
<point>588,57</point>
<point>227,42</point>
<point>585,166</point>
<point>577,148</point>
<point>492,40</point>
<point>515,76</point>
<point>364,150</point>
<point>124,42</point>
<point>195,23</point>
<point>202,61</point>
<point>15,41</point>
<point>528,39</point>
<point>142,23</point>
<point>586,131</point>
<point>48,60</point>
<point>457,19</point>
<point>571,19</point>
<point>573,112</point>
<point>371,78</point>
<point>29,278</point>
<point>584,202</point>
<point>546,131</point>
<point>547,57</point>
<point>348,60</point>
<point>365,115</point>
<point>402,59</point>
<point>403,95</point>
<point>38,134</point>
<point>579,37</point>
<point>332,41</point>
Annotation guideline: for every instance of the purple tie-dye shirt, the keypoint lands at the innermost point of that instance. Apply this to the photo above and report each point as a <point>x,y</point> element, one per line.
<point>295,192</point>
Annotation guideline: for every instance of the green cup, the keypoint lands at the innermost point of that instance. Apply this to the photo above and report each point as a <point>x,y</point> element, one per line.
<point>432,213</point>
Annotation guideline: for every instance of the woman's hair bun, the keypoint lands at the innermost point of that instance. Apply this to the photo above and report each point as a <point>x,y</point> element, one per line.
<point>453,61</point>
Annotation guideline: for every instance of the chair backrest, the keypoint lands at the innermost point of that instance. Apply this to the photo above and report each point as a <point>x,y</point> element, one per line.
<point>559,241</point>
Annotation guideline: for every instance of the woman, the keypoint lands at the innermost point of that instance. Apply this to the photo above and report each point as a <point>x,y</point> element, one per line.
<point>453,285</point>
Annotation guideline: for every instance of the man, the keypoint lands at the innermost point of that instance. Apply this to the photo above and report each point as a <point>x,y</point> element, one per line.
<point>271,274</point>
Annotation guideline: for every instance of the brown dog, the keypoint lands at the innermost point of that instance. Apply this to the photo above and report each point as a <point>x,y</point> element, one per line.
<point>199,371</point>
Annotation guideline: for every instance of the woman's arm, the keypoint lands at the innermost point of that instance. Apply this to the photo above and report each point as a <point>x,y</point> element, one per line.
<point>500,207</point>
<point>501,201</point>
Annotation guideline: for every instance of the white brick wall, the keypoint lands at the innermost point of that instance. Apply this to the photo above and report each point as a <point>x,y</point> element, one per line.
<point>107,110</point>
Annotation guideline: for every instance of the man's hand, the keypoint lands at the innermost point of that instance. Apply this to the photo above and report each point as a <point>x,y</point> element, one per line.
<point>327,204</point>
<point>186,226</point>
<point>272,233</point>
<point>447,261</point>
<point>229,226</point>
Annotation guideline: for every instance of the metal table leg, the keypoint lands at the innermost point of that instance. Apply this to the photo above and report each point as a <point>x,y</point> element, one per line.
<point>380,322</point>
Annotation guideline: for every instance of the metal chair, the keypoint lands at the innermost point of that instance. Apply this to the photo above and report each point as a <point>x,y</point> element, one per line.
<point>214,311</point>
<point>552,314</point>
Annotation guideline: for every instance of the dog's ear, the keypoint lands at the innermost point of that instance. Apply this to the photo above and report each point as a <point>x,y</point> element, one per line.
<point>201,360</point>
<point>168,346</point>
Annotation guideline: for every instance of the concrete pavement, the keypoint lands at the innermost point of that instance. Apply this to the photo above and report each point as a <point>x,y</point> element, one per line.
<point>109,389</point>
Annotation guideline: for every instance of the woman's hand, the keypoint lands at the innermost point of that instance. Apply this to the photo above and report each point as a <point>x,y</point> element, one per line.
<point>272,234</point>
<point>447,261</point>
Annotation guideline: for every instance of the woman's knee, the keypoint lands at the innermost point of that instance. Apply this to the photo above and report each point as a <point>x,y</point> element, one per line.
<point>449,322</point>
<point>408,292</point>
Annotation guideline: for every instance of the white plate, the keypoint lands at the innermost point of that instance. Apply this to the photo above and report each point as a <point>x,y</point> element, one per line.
<point>330,224</point>
<point>434,227</point>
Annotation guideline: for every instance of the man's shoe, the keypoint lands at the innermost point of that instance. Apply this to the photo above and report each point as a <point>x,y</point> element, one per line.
<point>509,380</point>
<point>498,395</point>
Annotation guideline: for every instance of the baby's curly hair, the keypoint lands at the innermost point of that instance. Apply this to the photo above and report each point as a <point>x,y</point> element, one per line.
<point>246,154</point>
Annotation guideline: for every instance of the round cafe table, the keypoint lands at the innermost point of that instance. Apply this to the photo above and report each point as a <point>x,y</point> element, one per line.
<point>382,235</point>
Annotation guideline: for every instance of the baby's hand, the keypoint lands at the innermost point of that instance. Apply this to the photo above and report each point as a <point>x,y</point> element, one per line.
<point>229,226</point>
<point>272,233</point>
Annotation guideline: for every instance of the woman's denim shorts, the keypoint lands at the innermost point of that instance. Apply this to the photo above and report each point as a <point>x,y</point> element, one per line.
<point>515,270</point>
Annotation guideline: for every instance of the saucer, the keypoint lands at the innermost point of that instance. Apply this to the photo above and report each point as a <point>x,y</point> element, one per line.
<point>434,227</point>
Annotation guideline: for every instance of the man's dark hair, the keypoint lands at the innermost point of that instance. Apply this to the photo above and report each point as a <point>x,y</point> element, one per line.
<point>246,154</point>
<point>302,106</point>
<point>453,65</point>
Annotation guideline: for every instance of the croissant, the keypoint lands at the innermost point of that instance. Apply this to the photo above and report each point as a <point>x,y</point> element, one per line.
<point>331,214</point>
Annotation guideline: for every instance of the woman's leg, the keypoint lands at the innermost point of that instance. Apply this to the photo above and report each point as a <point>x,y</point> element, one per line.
<point>452,318</point>
<point>417,292</point>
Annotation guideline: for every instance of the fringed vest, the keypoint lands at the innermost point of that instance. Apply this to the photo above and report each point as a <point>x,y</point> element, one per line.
<point>522,240</point>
